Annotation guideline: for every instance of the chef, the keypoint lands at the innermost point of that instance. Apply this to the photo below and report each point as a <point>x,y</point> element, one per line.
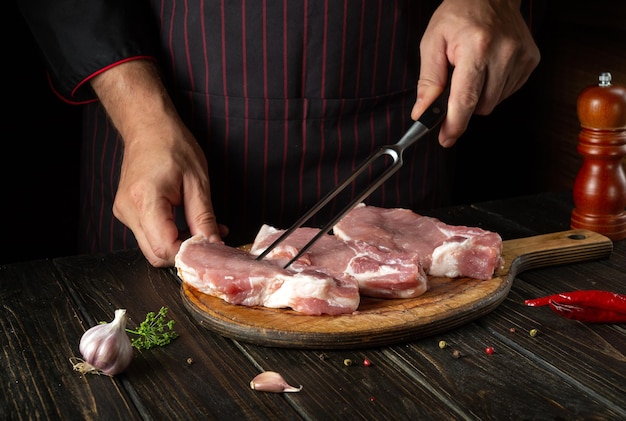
<point>213,116</point>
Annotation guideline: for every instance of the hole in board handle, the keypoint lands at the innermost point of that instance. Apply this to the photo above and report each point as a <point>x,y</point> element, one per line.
<point>576,236</point>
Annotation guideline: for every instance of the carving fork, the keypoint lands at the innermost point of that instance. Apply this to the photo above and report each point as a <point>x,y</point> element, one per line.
<point>429,120</point>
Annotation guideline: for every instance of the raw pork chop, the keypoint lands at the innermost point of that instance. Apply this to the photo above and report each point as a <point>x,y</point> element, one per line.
<point>445,250</point>
<point>381,272</point>
<point>236,277</point>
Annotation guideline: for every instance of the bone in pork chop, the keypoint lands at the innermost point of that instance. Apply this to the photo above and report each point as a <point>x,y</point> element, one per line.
<point>380,272</point>
<point>444,250</point>
<point>236,277</point>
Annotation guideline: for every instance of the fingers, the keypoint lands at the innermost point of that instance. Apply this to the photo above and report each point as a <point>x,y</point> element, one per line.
<point>437,53</point>
<point>151,185</point>
<point>153,224</point>
<point>433,74</point>
<point>466,90</point>
<point>466,86</point>
<point>199,212</point>
<point>492,52</point>
<point>157,234</point>
<point>151,219</point>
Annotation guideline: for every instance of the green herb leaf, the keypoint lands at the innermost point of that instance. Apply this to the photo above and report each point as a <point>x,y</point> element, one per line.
<point>152,331</point>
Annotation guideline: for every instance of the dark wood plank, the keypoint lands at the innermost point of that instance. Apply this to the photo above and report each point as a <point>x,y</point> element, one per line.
<point>214,386</point>
<point>510,384</point>
<point>592,357</point>
<point>41,330</point>
<point>588,357</point>
<point>422,381</point>
<point>386,390</point>
<point>539,214</point>
<point>476,217</point>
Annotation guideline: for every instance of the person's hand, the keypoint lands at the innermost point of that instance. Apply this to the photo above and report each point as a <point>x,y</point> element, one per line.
<point>162,166</point>
<point>492,51</point>
<point>161,170</point>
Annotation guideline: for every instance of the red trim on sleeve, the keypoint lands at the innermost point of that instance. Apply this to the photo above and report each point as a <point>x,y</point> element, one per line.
<point>85,80</point>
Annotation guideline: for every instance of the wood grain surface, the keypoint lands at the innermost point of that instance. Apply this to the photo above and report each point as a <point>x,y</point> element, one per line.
<point>569,370</point>
<point>449,303</point>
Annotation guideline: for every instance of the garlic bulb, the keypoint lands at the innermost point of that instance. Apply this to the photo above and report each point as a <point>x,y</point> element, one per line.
<point>271,381</point>
<point>107,346</point>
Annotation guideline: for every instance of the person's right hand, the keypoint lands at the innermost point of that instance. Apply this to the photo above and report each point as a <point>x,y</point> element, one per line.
<point>493,54</point>
<point>163,166</point>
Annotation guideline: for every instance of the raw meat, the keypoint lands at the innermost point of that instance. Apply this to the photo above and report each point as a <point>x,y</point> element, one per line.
<point>380,272</point>
<point>236,277</point>
<point>377,252</point>
<point>444,250</point>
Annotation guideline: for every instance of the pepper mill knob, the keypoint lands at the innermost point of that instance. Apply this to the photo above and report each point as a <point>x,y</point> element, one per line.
<point>600,185</point>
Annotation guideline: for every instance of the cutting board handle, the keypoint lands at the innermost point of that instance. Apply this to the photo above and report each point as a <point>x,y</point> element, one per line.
<point>557,248</point>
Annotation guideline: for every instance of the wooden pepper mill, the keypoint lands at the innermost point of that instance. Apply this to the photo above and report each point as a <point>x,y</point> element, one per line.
<point>600,186</point>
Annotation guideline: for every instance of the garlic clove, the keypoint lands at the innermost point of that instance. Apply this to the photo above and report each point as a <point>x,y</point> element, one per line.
<point>271,381</point>
<point>107,346</point>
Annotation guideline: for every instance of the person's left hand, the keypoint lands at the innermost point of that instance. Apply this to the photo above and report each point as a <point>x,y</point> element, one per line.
<point>492,51</point>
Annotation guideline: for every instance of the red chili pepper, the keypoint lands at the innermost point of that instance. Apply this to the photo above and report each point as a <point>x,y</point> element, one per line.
<point>594,306</point>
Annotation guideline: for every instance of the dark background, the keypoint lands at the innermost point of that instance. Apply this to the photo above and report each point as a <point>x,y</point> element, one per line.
<point>527,145</point>
<point>40,154</point>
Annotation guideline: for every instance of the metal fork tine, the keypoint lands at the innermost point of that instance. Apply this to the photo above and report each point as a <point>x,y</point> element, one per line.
<point>320,205</point>
<point>397,162</point>
<point>431,118</point>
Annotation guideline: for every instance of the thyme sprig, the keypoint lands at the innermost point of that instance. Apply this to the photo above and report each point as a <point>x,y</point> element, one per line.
<point>154,331</point>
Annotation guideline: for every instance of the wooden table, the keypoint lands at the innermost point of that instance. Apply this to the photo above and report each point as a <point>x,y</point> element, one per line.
<point>570,370</point>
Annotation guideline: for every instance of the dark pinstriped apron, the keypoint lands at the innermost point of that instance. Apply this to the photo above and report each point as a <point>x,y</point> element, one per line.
<point>286,98</point>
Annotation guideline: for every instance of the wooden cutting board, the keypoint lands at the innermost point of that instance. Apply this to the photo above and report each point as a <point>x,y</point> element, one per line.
<point>447,304</point>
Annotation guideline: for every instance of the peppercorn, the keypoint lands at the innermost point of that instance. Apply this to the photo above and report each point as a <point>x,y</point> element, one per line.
<point>367,362</point>
<point>489,350</point>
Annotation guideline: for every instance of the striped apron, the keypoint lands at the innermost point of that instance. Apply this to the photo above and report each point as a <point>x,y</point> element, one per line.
<point>285,97</point>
